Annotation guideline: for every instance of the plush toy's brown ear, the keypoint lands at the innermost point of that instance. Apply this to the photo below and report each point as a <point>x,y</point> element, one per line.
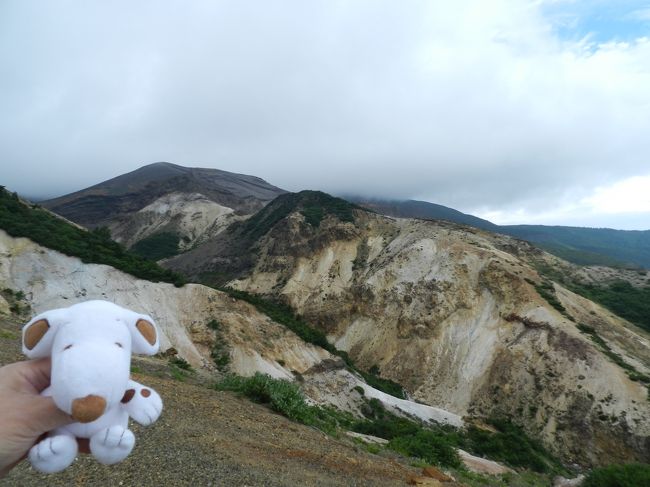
<point>34,333</point>
<point>147,330</point>
<point>38,334</point>
<point>144,335</point>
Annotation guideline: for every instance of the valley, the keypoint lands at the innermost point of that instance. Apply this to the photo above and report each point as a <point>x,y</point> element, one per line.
<point>433,322</point>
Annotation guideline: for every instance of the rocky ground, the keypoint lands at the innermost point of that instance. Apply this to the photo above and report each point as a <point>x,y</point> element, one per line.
<point>206,437</point>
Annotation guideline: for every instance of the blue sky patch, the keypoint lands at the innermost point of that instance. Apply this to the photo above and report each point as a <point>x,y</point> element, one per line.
<point>599,20</point>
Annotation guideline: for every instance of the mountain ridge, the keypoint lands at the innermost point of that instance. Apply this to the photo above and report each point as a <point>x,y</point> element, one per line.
<point>224,187</point>
<point>581,245</point>
<point>180,205</point>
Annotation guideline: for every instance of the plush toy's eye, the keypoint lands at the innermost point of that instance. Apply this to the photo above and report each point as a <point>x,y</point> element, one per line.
<point>119,344</point>
<point>67,347</point>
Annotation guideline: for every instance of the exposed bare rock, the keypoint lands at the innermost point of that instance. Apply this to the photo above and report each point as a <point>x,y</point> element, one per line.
<point>482,465</point>
<point>195,203</point>
<point>191,215</point>
<point>452,313</point>
<point>562,482</point>
<point>253,342</point>
<point>367,438</point>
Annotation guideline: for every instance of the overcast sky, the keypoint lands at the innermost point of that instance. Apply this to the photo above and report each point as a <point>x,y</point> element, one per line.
<point>518,111</point>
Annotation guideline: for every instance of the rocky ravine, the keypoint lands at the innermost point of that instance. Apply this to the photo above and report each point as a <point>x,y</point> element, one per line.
<point>452,314</point>
<point>251,340</point>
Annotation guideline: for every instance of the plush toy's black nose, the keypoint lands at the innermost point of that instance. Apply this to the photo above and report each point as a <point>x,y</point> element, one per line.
<point>87,409</point>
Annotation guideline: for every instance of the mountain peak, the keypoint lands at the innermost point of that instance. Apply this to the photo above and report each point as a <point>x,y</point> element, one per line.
<point>130,192</point>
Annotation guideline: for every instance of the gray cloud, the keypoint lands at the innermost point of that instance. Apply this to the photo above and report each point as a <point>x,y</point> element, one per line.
<point>477,105</point>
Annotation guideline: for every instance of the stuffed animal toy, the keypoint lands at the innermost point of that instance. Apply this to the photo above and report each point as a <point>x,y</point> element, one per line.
<point>90,344</point>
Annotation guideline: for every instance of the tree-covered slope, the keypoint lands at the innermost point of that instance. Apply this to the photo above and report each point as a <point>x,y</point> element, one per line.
<point>19,219</point>
<point>585,245</point>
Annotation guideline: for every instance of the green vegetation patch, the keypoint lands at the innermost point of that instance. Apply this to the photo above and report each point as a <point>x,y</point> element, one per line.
<point>157,246</point>
<point>283,314</point>
<point>630,475</point>
<point>582,257</point>
<point>433,447</point>
<point>621,298</point>
<point>285,398</point>
<point>181,363</point>
<point>220,352</point>
<point>547,291</point>
<point>509,445</point>
<point>433,443</point>
<point>179,368</point>
<point>16,301</point>
<point>96,246</point>
<point>313,205</point>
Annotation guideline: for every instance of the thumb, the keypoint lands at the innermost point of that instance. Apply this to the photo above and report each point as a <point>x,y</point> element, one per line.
<point>46,415</point>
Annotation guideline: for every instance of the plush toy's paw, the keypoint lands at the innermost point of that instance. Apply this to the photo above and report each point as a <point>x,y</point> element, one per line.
<point>112,445</point>
<point>144,405</point>
<point>53,454</point>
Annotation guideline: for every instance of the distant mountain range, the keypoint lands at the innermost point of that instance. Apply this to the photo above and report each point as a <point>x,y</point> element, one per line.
<point>584,246</point>
<point>187,206</point>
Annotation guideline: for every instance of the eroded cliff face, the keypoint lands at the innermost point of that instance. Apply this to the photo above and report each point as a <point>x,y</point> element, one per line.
<point>198,322</point>
<point>252,341</point>
<point>192,216</point>
<point>452,314</point>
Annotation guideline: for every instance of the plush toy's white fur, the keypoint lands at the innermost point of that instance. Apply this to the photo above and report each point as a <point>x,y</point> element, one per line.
<point>91,344</point>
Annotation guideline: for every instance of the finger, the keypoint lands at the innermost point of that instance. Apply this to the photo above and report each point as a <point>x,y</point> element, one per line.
<point>46,415</point>
<point>30,376</point>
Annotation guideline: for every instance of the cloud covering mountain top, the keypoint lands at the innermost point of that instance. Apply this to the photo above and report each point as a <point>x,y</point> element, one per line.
<point>492,107</point>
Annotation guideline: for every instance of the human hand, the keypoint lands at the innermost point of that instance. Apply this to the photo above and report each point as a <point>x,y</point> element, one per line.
<point>25,415</point>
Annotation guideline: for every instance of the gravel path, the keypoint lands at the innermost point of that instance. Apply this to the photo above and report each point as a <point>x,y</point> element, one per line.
<point>206,437</point>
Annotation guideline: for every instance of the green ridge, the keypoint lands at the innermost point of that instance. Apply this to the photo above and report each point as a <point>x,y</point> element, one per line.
<point>21,220</point>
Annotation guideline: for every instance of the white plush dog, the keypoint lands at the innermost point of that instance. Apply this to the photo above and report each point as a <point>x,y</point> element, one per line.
<point>91,344</point>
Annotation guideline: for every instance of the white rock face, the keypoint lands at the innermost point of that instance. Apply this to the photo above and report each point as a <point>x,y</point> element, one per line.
<point>340,388</point>
<point>50,280</point>
<point>191,215</point>
<point>452,314</point>
<point>254,342</point>
<point>481,465</point>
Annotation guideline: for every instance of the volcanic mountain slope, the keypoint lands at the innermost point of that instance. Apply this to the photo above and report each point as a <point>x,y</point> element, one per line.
<point>452,313</point>
<point>583,246</point>
<point>192,203</point>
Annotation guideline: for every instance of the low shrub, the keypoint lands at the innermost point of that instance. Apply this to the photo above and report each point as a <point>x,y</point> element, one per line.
<point>430,446</point>
<point>510,445</point>
<point>220,352</point>
<point>285,398</point>
<point>630,475</point>
<point>157,246</point>
<point>282,396</point>
<point>180,362</point>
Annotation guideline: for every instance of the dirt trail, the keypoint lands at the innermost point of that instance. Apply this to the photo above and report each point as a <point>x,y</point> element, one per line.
<point>206,437</point>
